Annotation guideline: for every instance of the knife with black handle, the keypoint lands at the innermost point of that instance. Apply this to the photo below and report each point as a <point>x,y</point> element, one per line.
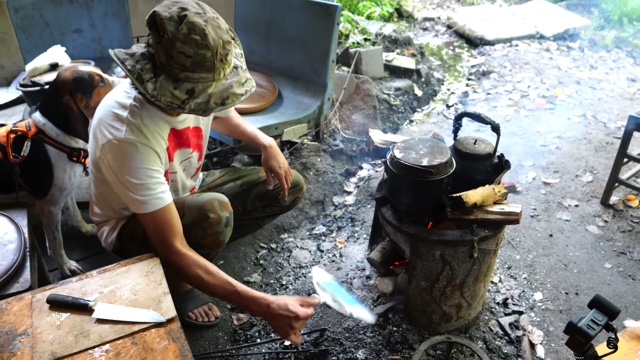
<point>105,311</point>
<point>70,302</point>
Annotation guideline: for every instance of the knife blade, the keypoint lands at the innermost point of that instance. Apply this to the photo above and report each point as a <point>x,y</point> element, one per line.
<point>106,311</point>
<point>334,294</point>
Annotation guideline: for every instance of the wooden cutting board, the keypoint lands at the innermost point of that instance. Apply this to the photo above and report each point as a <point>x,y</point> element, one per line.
<point>57,333</point>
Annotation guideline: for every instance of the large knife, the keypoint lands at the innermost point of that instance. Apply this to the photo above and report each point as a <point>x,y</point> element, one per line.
<point>106,311</point>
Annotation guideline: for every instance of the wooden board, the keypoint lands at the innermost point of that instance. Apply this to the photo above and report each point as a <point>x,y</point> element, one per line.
<point>628,347</point>
<point>153,343</point>
<point>56,333</point>
<point>15,336</point>
<point>505,214</point>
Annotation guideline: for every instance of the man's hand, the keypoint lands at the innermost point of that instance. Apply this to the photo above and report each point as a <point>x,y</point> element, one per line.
<point>287,315</point>
<point>273,161</point>
<point>276,167</point>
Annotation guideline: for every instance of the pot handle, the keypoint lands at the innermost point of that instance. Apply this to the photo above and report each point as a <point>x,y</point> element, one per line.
<point>480,118</point>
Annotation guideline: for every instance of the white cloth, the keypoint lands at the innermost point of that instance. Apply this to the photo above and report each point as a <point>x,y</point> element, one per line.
<point>140,158</point>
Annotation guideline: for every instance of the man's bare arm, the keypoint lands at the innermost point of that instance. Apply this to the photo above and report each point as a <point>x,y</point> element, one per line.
<point>286,314</point>
<point>273,161</point>
<point>165,232</point>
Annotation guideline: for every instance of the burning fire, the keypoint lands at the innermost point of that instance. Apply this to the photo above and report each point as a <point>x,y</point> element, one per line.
<point>399,264</point>
<point>430,225</point>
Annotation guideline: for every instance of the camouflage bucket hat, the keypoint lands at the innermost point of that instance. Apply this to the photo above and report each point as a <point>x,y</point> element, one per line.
<point>192,62</point>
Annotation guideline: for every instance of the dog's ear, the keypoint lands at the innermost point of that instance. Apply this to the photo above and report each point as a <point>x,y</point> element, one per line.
<point>83,85</point>
<point>60,109</point>
<point>89,88</point>
<point>77,121</point>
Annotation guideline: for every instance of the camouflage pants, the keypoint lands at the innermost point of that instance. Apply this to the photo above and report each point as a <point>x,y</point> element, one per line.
<point>230,204</point>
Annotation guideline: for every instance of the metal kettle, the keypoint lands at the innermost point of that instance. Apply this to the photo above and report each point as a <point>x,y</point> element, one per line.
<point>477,161</point>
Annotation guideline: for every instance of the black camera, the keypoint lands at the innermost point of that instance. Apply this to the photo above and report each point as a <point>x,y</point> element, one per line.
<point>582,330</point>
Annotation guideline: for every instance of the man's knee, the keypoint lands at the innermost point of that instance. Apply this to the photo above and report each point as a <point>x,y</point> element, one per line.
<point>296,190</point>
<point>207,222</point>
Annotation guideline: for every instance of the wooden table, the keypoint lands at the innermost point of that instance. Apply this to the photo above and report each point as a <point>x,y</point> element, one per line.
<point>162,341</point>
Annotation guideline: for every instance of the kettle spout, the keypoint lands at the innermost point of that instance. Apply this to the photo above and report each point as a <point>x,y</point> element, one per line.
<point>500,167</point>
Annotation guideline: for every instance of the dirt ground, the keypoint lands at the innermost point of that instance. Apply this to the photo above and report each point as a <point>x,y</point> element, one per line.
<point>561,105</point>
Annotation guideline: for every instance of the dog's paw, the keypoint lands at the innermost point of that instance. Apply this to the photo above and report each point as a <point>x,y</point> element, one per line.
<point>71,268</point>
<point>89,229</point>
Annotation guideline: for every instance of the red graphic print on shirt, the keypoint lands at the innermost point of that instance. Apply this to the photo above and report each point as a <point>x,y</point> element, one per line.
<point>184,147</point>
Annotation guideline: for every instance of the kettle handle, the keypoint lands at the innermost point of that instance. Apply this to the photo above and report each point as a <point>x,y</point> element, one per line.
<point>480,118</point>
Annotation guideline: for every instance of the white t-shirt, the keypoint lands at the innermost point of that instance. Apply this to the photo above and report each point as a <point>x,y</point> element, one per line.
<point>140,158</point>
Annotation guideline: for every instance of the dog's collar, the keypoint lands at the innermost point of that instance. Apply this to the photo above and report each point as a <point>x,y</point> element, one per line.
<point>55,133</point>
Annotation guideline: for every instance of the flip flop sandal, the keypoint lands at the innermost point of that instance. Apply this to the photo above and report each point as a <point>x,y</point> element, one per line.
<point>189,300</point>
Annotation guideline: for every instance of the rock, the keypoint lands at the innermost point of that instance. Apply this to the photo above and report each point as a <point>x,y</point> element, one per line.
<point>594,229</point>
<point>255,278</point>
<point>568,203</point>
<point>535,335</point>
<point>424,72</point>
<point>399,63</point>
<point>320,229</point>
<point>239,318</point>
<point>401,84</point>
<point>386,285</point>
<point>376,27</point>
<point>325,246</point>
<point>504,325</point>
<point>494,24</point>
<point>301,257</point>
<point>537,296</point>
<point>405,7</point>
<point>369,62</point>
<point>493,326</point>
<point>540,351</point>
<point>350,199</point>
<point>307,244</point>
<point>349,186</point>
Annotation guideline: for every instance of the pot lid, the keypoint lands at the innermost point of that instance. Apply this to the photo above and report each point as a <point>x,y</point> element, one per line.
<point>473,147</point>
<point>420,153</point>
<point>13,245</point>
<point>49,76</point>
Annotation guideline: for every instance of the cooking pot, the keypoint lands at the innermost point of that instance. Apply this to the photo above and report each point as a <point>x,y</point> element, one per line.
<point>33,88</point>
<point>477,161</point>
<point>418,174</point>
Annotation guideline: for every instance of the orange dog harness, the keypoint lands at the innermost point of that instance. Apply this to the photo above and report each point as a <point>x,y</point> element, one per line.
<point>28,130</point>
<point>15,141</point>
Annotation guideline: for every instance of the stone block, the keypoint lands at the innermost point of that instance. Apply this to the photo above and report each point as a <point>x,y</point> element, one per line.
<point>492,24</point>
<point>399,64</point>
<point>370,62</point>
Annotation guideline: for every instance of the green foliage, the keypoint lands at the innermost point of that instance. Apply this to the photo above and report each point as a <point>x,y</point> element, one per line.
<point>382,10</point>
<point>351,29</point>
<point>622,12</point>
<point>618,22</point>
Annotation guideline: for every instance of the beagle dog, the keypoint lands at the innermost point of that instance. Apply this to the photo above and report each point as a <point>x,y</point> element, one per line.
<point>46,155</point>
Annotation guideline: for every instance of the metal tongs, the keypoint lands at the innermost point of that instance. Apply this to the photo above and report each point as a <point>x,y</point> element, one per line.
<point>224,353</point>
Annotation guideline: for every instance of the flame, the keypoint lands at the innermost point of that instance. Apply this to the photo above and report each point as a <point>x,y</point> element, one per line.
<point>399,264</point>
<point>430,225</point>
